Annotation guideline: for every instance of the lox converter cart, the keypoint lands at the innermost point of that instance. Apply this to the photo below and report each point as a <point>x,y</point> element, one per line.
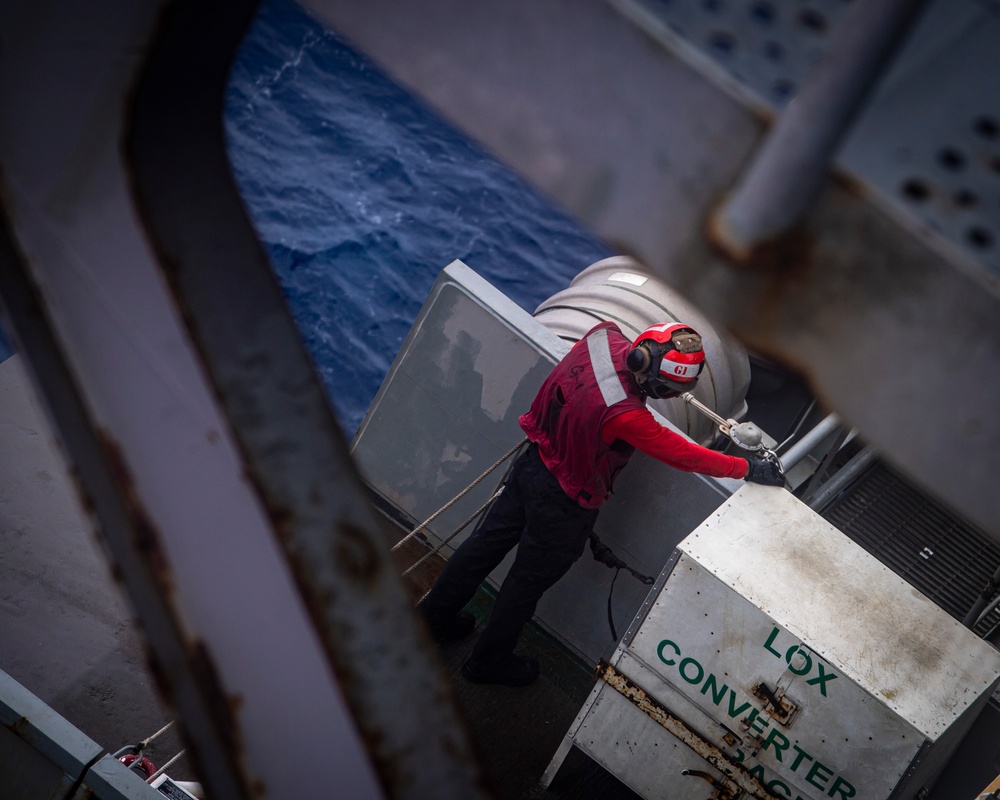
<point>775,658</point>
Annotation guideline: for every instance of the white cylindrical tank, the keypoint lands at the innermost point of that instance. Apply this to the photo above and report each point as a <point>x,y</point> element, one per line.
<point>619,290</point>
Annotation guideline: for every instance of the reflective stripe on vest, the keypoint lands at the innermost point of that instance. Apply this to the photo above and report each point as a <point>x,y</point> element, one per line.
<point>604,369</point>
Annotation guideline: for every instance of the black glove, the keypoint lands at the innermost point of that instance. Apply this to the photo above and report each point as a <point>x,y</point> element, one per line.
<point>765,471</point>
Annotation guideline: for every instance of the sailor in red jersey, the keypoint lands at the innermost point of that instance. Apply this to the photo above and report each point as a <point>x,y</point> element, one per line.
<point>586,421</point>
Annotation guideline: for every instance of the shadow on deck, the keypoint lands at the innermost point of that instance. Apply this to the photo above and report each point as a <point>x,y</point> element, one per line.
<point>516,731</point>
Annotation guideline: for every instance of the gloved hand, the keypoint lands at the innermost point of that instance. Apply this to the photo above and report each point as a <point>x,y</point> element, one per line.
<point>765,471</point>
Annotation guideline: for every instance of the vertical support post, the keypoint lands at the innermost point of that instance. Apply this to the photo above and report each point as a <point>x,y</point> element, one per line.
<point>790,171</point>
<point>277,626</point>
<point>292,450</point>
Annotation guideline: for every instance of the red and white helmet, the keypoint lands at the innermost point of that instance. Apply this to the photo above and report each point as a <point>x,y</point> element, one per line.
<point>667,359</point>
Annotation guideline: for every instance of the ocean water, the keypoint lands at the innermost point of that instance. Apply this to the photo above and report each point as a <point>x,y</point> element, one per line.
<point>361,195</point>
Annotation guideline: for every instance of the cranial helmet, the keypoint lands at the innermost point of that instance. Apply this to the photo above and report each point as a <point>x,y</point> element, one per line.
<point>667,359</point>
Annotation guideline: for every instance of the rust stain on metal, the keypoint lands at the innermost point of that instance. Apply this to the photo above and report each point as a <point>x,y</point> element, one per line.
<point>283,520</point>
<point>697,773</point>
<point>851,185</point>
<point>222,709</point>
<point>117,572</point>
<point>86,501</point>
<point>145,535</point>
<point>206,677</point>
<point>736,778</point>
<point>356,554</point>
<point>790,252</point>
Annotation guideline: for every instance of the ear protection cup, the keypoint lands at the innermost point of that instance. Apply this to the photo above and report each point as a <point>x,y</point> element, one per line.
<point>638,359</point>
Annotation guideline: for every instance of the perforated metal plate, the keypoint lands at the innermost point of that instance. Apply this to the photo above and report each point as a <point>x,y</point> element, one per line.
<point>928,144</point>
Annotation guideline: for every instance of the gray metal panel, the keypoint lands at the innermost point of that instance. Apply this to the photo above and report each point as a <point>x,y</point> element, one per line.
<point>929,141</point>
<point>640,752</point>
<point>448,409</point>
<point>760,52</point>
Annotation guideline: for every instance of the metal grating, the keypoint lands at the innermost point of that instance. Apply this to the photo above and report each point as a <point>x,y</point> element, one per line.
<point>928,143</point>
<point>944,557</point>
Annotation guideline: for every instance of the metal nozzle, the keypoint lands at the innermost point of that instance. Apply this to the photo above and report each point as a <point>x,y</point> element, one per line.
<point>747,435</point>
<point>744,434</point>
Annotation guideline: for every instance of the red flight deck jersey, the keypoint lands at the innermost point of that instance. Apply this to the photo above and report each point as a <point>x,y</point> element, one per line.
<point>589,416</point>
<point>587,388</point>
<point>643,432</point>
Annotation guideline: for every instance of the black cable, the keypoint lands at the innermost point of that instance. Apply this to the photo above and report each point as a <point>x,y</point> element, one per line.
<point>604,554</point>
<point>611,620</point>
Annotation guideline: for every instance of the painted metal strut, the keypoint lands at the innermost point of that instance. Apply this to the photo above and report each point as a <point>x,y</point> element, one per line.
<point>792,167</point>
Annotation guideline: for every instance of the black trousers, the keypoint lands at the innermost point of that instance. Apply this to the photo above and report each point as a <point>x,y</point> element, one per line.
<point>550,532</point>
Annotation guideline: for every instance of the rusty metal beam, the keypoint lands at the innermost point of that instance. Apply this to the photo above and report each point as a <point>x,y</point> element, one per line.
<point>903,345</point>
<point>295,455</point>
<point>185,672</point>
<point>205,469</point>
<point>793,164</point>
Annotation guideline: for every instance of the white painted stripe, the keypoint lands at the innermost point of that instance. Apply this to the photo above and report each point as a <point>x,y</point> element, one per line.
<point>604,369</point>
<point>627,277</point>
<point>679,370</point>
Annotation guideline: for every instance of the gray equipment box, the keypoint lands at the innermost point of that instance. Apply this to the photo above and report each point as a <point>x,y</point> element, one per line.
<point>776,658</point>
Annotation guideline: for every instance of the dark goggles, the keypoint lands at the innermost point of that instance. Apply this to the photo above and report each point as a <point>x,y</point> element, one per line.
<point>663,388</point>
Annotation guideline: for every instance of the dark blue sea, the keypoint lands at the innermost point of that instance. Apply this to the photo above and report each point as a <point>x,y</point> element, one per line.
<point>362,195</point>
